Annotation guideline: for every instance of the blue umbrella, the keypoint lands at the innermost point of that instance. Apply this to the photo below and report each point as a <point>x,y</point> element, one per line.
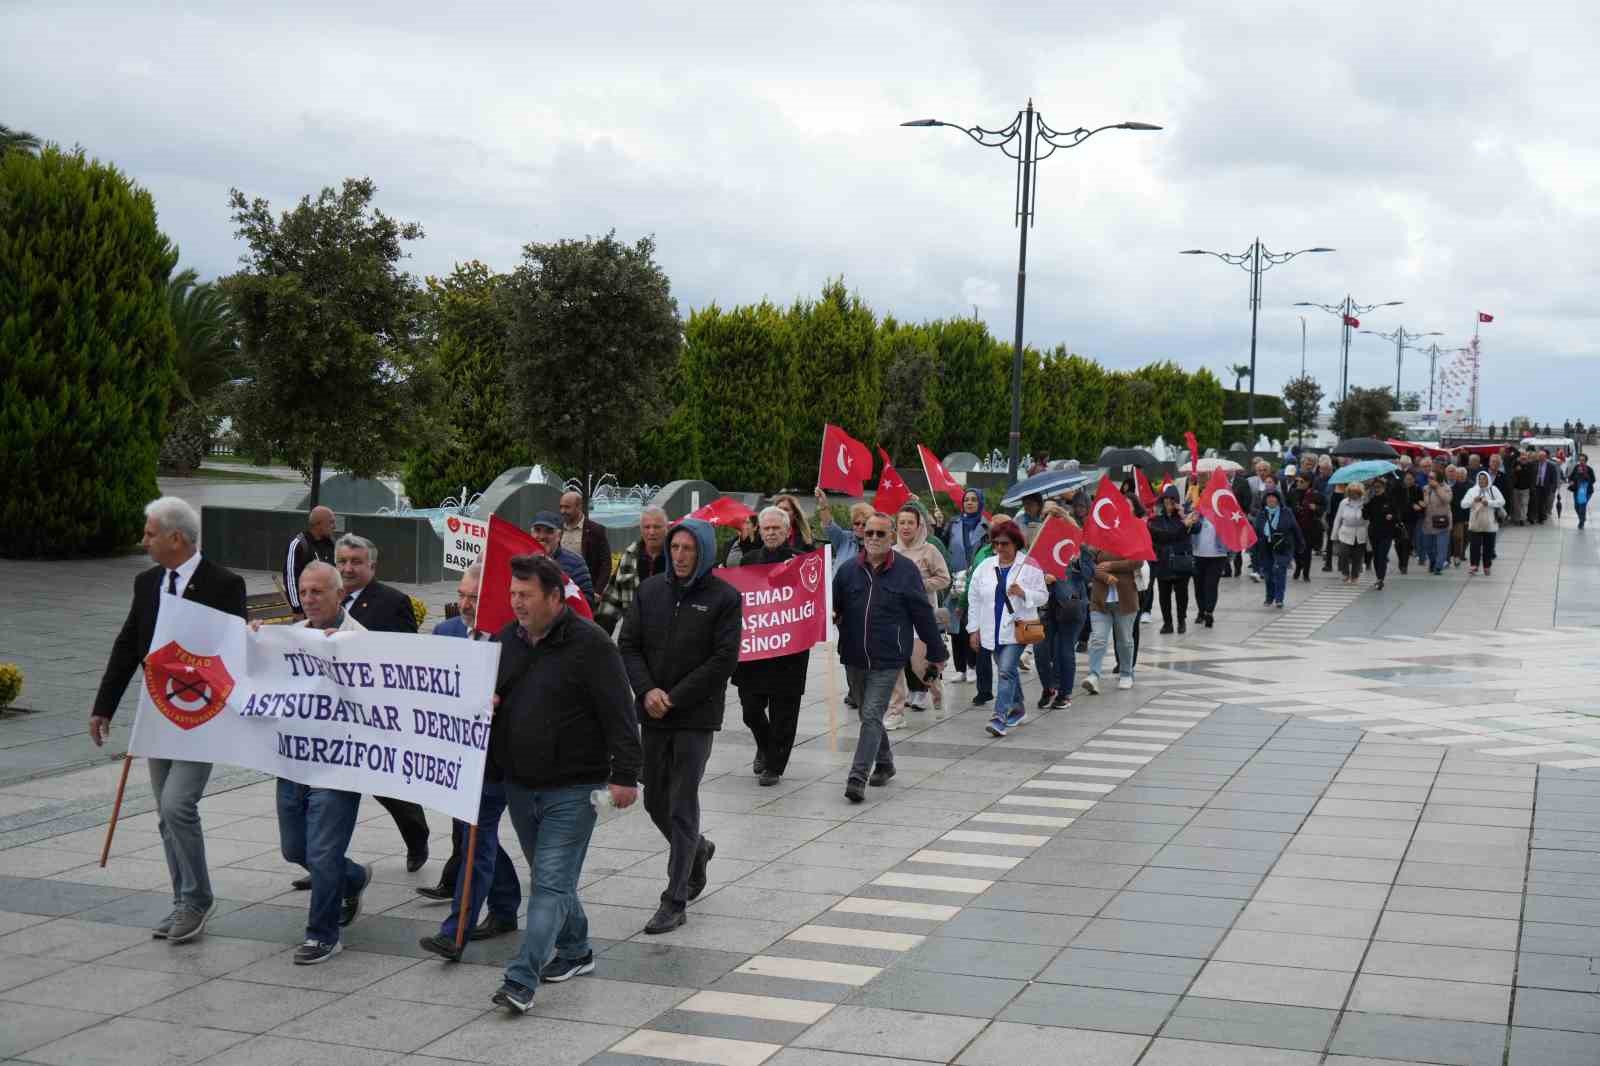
<point>1049,483</point>
<point>1363,471</point>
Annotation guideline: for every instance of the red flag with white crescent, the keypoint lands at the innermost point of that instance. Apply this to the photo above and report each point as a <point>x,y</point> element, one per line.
<point>1220,506</point>
<point>892,492</point>
<point>494,590</point>
<point>940,479</point>
<point>846,462</point>
<point>1147,495</point>
<point>1113,526</point>
<point>723,511</point>
<point>1056,546</point>
<point>1482,317</point>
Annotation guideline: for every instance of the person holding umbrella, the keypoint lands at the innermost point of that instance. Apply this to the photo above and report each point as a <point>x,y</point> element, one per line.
<point>1350,533</point>
<point>1382,511</point>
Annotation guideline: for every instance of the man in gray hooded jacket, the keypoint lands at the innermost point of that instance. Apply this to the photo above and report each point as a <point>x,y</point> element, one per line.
<point>680,644</point>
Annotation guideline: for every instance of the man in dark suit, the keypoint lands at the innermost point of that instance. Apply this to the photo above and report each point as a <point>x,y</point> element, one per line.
<point>382,609</point>
<point>171,537</point>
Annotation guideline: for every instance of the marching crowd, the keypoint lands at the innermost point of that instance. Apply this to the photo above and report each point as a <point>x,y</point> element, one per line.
<point>580,716</point>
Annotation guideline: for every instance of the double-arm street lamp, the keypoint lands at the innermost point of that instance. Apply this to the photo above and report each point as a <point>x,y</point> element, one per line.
<point>1027,139</point>
<point>1347,312</point>
<point>1401,340</point>
<point>1255,260</point>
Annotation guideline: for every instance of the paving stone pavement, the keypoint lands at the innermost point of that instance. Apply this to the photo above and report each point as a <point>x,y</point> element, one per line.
<point>1289,844</point>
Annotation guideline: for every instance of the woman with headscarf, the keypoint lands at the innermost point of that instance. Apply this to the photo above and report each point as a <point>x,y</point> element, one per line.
<point>770,690</point>
<point>1485,504</point>
<point>1278,538</point>
<point>911,540</point>
<point>1383,511</point>
<point>1002,591</point>
<point>965,534</point>
<point>799,529</point>
<point>1350,533</point>
<point>1170,531</point>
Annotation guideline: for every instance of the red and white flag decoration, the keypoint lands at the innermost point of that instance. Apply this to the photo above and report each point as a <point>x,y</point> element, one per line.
<point>1147,495</point>
<point>892,492</point>
<point>1485,318</point>
<point>1056,546</point>
<point>1220,506</point>
<point>494,591</point>
<point>1113,526</point>
<point>846,462</point>
<point>725,511</point>
<point>1194,456</point>
<point>1352,321</point>
<point>940,479</point>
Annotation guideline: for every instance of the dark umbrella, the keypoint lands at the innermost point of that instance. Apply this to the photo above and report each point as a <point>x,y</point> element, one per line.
<point>1364,448</point>
<point>1049,483</point>
<point>1117,457</point>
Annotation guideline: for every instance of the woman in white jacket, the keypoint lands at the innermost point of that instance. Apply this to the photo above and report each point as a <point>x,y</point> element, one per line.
<point>1003,590</point>
<point>1482,501</point>
<point>1350,533</point>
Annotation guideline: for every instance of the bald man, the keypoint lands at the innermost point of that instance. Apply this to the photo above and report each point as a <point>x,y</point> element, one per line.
<point>314,543</point>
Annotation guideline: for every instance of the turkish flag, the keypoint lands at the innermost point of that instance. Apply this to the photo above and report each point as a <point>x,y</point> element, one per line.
<point>1113,526</point>
<point>1485,318</point>
<point>1147,495</point>
<point>892,493</point>
<point>940,479</point>
<point>1218,504</point>
<point>726,511</point>
<point>1166,483</point>
<point>1056,545</point>
<point>1352,321</point>
<point>1194,456</point>
<point>846,462</point>
<point>494,591</point>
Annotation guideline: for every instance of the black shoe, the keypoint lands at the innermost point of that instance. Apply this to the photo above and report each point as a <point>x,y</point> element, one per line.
<point>1183,627</point>
<point>513,996</point>
<point>493,925</point>
<point>1166,628</point>
<point>558,970</point>
<point>312,952</point>
<point>416,859</point>
<point>854,792</point>
<point>352,904</point>
<point>301,884</point>
<point>880,776</point>
<point>758,765</point>
<point>1082,648</point>
<point>697,873</point>
<point>1379,585</point>
<point>770,778</point>
<point>665,920</point>
<point>442,946</point>
<point>851,703</point>
<point>437,893</point>
<point>1045,698</point>
<point>1209,621</point>
<point>1061,702</point>
<point>979,701</point>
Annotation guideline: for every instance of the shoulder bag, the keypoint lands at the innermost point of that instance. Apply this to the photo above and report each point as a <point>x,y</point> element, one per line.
<point>1023,631</point>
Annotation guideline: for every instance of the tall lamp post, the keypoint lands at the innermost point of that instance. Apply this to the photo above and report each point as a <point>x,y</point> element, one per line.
<point>1400,338</point>
<point>1254,260</point>
<point>1027,139</point>
<point>1347,312</point>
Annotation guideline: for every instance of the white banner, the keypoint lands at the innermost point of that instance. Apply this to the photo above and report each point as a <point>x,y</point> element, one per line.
<point>392,714</point>
<point>464,541</point>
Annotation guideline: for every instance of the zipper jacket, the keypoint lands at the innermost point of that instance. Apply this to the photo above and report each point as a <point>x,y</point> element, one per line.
<point>879,610</point>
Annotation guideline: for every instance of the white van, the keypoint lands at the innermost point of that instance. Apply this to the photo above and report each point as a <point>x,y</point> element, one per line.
<point>1564,446</point>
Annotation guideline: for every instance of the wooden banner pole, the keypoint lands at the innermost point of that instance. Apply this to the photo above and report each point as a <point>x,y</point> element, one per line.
<point>116,808</point>
<point>466,887</point>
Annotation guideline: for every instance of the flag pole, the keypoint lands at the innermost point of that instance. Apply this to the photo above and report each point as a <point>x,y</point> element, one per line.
<point>466,887</point>
<point>116,808</point>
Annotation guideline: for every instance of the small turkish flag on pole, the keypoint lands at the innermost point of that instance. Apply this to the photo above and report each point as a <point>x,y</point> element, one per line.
<point>1113,526</point>
<point>725,511</point>
<point>940,479</point>
<point>494,589</point>
<point>1485,318</point>
<point>1055,546</point>
<point>1352,321</point>
<point>1147,495</point>
<point>1218,504</point>
<point>1194,456</point>
<point>892,493</point>
<point>846,462</point>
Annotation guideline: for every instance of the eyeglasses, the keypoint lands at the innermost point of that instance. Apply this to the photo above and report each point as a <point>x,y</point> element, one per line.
<point>876,534</point>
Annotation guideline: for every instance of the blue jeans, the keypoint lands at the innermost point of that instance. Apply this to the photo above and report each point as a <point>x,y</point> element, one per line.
<point>1438,541</point>
<point>872,746</point>
<point>1106,626</point>
<point>1275,569</point>
<point>314,829</point>
<point>554,826</point>
<point>177,784</point>
<point>1057,658</point>
<point>490,866</point>
<point>1008,680</point>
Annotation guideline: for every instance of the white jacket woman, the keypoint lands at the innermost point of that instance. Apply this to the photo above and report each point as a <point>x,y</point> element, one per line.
<point>1480,503</point>
<point>983,588</point>
<point>1349,524</point>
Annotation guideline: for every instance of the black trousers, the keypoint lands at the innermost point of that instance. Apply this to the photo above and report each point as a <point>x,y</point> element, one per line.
<point>1302,561</point>
<point>772,718</point>
<point>1207,575</point>
<point>411,822</point>
<point>674,763</point>
<point>1381,542</point>
<point>1168,587</point>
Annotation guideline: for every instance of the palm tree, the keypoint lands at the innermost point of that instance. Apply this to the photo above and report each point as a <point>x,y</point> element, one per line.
<point>17,141</point>
<point>207,337</point>
<point>1240,371</point>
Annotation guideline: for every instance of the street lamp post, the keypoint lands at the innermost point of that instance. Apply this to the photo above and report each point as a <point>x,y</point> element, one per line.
<point>1347,312</point>
<point>1027,139</point>
<point>1302,345</point>
<point>1400,337</point>
<point>1255,260</point>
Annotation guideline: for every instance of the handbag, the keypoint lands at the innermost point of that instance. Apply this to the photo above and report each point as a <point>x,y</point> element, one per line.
<point>1022,630</point>
<point>1181,563</point>
<point>1439,523</point>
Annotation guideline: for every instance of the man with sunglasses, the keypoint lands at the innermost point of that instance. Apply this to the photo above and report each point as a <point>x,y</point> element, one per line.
<point>878,601</point>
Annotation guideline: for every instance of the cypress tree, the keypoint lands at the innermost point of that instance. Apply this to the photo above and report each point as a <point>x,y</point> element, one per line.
<point>737,365</point>
<point>86,354</point>
<point>836,376</point>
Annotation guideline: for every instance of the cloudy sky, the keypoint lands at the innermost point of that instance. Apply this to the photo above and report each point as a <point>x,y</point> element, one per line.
<point>1448,151</point>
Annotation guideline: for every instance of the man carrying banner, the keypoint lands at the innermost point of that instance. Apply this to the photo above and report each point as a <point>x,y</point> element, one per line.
<point>643,559</point>
<point>564,727</point>
<point>680,643</point>
<point>770,690</point>
<point>171,538</point>
<point>879,602</point>
<point>315,824</point>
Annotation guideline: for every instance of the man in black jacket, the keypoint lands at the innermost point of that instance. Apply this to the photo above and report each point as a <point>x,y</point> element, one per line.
<point>382,609</point>
<point>680,643</point>
<point>171,536</point>
<point>311,544</point>
<point>564,728</point>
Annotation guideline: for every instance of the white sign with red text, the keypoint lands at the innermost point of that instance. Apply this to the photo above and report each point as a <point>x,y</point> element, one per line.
<point>464,541</point>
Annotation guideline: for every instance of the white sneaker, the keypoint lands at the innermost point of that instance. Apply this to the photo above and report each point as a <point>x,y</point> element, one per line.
<point>917,701</point>
<point>1092,684</point>
<point>1254,576</point>
<point>1124,683</point>
<point>1027,660</point>
<point>1144,618</point>
<point>960,678</point>
<point>894,720</point>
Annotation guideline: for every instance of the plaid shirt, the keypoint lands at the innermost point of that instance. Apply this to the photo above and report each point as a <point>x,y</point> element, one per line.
<point>625,582</point>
